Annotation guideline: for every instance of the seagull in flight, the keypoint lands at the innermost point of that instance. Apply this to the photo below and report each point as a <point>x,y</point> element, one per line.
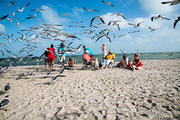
<point>104,35</point>
<point>114,23</point>
<point>152,29</point>
<point>97,17</point>
<point>158,17</point>
<point>34,16</point>
<point>21,10</point>
<point>11,3</point>
<point>37,10</point>
<point>108,3</point>
<point>118,14</point>
<point>89,10</point>
<point>173,2</point>
<point>176,21</point>
<point>23,36</point>
<point>135,25</point>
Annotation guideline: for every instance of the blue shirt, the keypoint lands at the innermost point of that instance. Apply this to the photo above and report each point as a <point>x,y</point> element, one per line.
<point>62,49</point>
<point>90,51</point>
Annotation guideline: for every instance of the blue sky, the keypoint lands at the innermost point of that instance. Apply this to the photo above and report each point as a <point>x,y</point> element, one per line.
<point>164,39</point>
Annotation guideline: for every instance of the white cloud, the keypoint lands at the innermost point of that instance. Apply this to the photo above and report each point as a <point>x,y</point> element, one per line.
<point>110,17</point>
<point>77,11</point>
<point>165,38</point>
<point>51,16</point>
<point>155,7</point>
<point>2,28</point>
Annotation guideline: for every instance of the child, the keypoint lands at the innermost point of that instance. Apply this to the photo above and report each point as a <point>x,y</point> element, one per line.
<point>95,64</point>
<point>124,62</point>
<point>71,62</point>
<point>137,65</point>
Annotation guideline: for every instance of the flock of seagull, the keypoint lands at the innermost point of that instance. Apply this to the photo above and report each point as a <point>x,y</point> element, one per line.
<point>29,37</point>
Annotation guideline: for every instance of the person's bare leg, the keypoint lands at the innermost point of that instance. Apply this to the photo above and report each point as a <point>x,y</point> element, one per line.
<point>138,68</point>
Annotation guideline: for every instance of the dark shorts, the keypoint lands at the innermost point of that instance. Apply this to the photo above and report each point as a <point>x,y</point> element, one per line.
<point>46,60</point>
<point>88,63</point>
<point>91,56</point>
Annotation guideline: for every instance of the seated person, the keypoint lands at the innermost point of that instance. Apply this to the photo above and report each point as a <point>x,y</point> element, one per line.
<point>109,58</point>
<point>95,64</point>
<point>137,65</point>
<point>86,58</point>
<point>71,62</point>
<point>129,66</point>
<point>124,61</point>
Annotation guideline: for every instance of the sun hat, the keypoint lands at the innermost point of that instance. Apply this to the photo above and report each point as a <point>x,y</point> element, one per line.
<point>87,51</point>
<point>137,54</point>
<point>110,51</point>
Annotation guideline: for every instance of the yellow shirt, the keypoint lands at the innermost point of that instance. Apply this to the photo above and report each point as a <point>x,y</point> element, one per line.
<point>110,56</point>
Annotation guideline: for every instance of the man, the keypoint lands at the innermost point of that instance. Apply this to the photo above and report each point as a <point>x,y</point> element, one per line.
<point>61,50</point>
<point>86,58</point>
<point>90,51</point>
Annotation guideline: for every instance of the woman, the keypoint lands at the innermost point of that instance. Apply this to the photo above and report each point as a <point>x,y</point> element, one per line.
<point>104,50</point>
<point>71,62</point>
<point>51,56</point>
<point>109,59</point>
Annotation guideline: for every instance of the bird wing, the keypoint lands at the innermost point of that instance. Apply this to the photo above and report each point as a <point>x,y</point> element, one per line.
<point>175,22</point>
<point>123,17</point>
<point>99,37</point>
<point>27,5</point>
<point>152,18</point>
<point>2,52</point>
<point>92,20</point>
<point>150,28</point>
<point>79,46</point>
<point>131,24</point>
<point>29,17</point>
<point>101,20</point>
<point>166,2</point>
<point>109,38</point>
<point>166,18</point>
<point>118,26</point>
<point>85,8</point>
<point>70,44</point>
<point>109,23</point>
<point>3,17</point>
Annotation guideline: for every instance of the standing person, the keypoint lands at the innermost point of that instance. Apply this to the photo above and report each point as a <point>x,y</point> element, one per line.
<point>137,65</point>
<point>51,56</point>
<point>46,57</point>
<point>90,51</point>
<point>104,52</point>
<point>61,50</point>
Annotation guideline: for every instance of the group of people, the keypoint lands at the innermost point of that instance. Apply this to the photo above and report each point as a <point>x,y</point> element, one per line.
<point>108,58</point>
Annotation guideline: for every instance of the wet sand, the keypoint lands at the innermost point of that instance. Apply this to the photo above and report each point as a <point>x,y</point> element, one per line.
<point>109,94</point>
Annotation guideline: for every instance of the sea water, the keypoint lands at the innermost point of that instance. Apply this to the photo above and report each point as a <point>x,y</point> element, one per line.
<point>78,58</point>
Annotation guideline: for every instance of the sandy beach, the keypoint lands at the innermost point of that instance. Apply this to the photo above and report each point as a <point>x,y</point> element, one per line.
<point>109,94</point>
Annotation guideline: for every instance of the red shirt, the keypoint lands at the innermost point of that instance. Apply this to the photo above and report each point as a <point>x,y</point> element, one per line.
<point>139,62</point>
<point>86,57</point>
<point>51,53</point>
